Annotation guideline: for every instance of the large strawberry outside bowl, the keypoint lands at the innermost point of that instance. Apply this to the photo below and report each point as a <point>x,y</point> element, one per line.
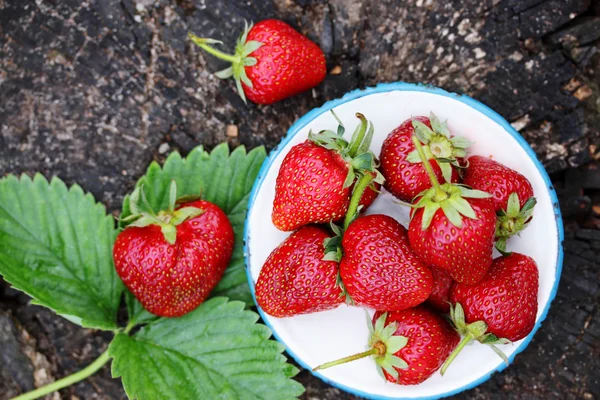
<point>312,339</point>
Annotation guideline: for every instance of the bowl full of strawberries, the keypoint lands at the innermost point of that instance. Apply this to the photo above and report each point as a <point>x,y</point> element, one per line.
<point>403,242</point>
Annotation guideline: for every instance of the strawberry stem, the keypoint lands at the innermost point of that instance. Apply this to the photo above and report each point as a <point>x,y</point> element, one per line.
<point>359,189</point>
<point>378,349</point>
<point>202,43</point>
<point>73,378</point>
<point>66,381</point>
<point>467,339</point>
<point>439,192</point>
<point>357,141</point>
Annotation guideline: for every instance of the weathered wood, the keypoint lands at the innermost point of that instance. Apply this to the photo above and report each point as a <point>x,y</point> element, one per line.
<point>585,32</point>
<point>16,372</point>
<point>93,90</point>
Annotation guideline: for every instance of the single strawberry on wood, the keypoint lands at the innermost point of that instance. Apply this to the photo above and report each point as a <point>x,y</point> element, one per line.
<point>272,61</point>
<point>452,228</point>
<point>501,308</point>
<point>316,178</point>
<point>378,267</point>
<point>172,260</point>
<point>295,279</point>
<point>512,195</point>
<point>408,346</point>
<point>401,166</point>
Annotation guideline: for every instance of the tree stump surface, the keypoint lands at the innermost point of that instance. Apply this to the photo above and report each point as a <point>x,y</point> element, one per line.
<point>92,91</point>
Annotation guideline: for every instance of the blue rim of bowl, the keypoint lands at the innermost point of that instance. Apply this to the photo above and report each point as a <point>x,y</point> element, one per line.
<point>411,87</point>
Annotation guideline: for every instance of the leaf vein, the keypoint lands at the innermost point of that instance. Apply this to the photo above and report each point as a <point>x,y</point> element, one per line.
<point>203,365</point>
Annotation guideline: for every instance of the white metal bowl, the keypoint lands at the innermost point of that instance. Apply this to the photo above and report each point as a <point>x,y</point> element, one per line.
<point>313,339</point>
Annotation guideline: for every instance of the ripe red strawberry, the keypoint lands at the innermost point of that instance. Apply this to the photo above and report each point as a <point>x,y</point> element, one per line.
<point>490,176</point>
<point>295,279</point>
<point>408,346</point>
<point>499,309</point>
<point>401,167</point>
<point>310,187</point>
<point>452,228</point>
<point>506,299</point>
<point>173,260</point>
<point>442,281</point>
<point>272,61</point>
<point>378,268</point>
<point>316,177</point>
<point>463,247</point>
<point>512,194</point>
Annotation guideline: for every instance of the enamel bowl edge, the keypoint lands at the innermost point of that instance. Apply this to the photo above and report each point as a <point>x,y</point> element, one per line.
<point>320,337</point>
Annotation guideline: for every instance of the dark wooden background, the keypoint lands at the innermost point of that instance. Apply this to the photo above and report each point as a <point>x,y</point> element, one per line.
<point>92,91</point>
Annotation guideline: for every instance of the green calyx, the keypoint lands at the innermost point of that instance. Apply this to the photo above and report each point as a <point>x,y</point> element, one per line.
<point>239,60</point>
<point>333,252</point>
<point>513,220</point>
<point>474,331</point>
<point>383,345</point>
<point>344,292</point>
<point>356,153</point>
<point>389,344</point>
<point>362,163</point>
<point>166,219</point>
<point>449,197</point>
<point>439,145</point>
<point>333,245</point>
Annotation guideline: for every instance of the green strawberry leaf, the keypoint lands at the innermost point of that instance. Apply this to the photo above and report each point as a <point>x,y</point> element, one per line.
<point>56,246</point>
<point>217,351</point>
<point>220,177</point>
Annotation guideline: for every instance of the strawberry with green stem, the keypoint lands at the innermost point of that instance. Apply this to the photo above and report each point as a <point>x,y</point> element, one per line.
<point>316,177</point>
<point>172,260</point>
<point>452,227</point>
<point>512,195</point>
<point>401,166</point>
<point>471,331</point>
<point>407,346</point>
<point>501,308</point>
<point>272,61</point>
